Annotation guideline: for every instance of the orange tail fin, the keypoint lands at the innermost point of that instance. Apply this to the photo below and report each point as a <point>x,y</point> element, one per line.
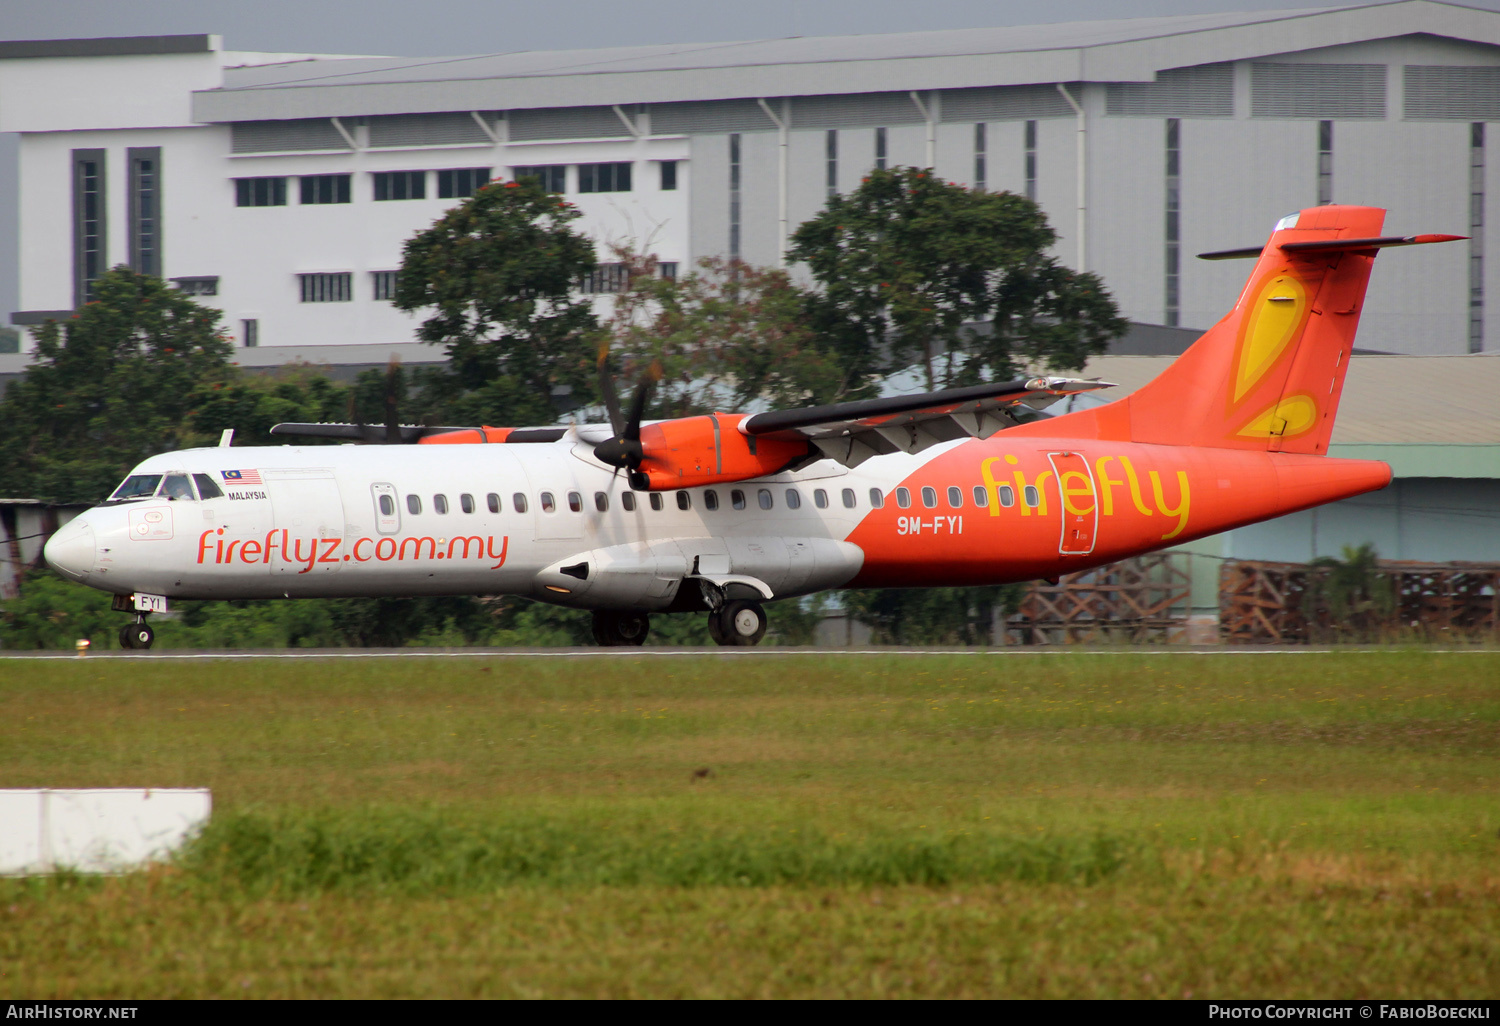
<point>1269,375</point>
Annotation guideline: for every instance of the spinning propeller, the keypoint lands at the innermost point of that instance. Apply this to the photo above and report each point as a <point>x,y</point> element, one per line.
<point>624,451</point>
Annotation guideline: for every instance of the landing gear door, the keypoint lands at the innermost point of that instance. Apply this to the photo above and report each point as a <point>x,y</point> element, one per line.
<point>387,509</point>
<point>309,519</point>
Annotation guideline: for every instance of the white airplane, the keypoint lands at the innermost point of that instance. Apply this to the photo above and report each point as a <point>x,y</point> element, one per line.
<point>722,512</point>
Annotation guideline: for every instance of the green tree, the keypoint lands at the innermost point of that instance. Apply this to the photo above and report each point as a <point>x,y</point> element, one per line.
<point>908,262</point>
<point>115,383</point>
<point>727,335</point>
<point>499,276</point>
<point>933,616</point>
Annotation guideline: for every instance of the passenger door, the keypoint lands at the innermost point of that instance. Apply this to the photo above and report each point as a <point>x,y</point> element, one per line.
<point>1079,499</point>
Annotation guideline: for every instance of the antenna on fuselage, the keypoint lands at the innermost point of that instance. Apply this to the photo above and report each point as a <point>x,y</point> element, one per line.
<point>227,438</point>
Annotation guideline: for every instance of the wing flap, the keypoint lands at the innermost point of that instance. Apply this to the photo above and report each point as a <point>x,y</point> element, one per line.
<point>850,433</point>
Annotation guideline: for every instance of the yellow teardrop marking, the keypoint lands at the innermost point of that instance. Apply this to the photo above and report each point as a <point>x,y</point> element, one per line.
<point>1292,416</point>
<point>1273,320</point>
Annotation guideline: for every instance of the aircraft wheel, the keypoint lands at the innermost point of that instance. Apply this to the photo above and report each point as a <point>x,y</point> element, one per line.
<point>621,630</point>
<point>742,623</point>
<point>127,636</point>
<point>141,635</point>
<point>716,628</point>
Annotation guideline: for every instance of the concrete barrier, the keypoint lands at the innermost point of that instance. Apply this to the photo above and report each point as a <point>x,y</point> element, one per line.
<point>104,830</point>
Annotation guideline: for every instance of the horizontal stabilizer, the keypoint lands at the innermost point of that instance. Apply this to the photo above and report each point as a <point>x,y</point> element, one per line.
<point>1333,246</point>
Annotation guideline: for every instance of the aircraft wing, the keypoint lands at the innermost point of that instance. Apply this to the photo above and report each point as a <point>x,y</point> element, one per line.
<point>851,433</point>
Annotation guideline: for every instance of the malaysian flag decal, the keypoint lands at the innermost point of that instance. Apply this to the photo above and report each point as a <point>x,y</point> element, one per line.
<point>241,477</point>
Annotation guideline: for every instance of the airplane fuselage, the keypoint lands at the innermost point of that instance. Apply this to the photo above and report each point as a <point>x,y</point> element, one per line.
<point>550,522</point>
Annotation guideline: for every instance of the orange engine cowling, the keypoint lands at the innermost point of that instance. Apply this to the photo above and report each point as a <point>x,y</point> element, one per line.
<point>694,451</point>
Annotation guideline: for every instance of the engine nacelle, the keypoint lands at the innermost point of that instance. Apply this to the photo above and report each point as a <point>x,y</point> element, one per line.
<point>695,451</point>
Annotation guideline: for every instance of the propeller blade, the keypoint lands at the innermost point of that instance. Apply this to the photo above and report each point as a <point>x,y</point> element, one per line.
<point>607,390</point>
<point>640,399</point>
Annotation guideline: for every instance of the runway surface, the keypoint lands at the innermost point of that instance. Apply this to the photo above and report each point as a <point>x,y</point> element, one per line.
<point>727,653</point>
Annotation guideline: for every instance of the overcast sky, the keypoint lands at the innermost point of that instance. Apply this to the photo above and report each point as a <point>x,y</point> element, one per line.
<point>449,27</point>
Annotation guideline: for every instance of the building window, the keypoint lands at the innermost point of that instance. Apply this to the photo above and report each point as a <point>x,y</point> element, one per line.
<point>1174,223</point>
<point>383,285</point>
<point>260,192</point>
<point>667,269</point>
<point>1325,162</point>
<point>606,278</point>
<point>668,176</point>
<point>88,223</point>
<point>463,182</point>
<point>1030,168</point>
<point>145,209</point>
<point>326,288</point>
<point>734,196</point>
<point>831,162</point>
<point>604,177</point>
<point>250,336</point>
<point>981,152</point>
<point>400,185</point>
<point>1476,237</point>
<point>325,189</point>
<point>204,285</point>
<point>880,149</point>
<point>551,177</point>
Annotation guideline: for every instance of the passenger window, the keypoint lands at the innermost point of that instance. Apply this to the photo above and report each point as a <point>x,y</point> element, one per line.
<point>601,502</point>
<point>656,502</point>
<point>793,500</point>
<point>877,501</point>
<point>903,498</point>
<point>764,497</point>
<point>387,506</point>
<point>466,502</point>
<point>684,500</point>
<point>955,496</point>
<point>628,501</point>
<point>518,500</point>
<point>493,501</point>
<point>1033,497</point>
<point>820,498</point>
<point>710,500</point>
<point>206,487</point>
<point>1007,495</point>
<point>549,504</point>
<point>737,499</point>
<point>575,502</point>
<point>848,498</point>
<point>413,504</point>
<point>981,496</point>
<point>929,497</point>
<point>440,504</point>
<point>176,486</point>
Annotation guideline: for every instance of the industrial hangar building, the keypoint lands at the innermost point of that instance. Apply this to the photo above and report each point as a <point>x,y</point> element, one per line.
<point>281,187</point>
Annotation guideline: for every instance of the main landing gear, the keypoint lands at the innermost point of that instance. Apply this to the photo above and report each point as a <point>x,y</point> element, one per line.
<point>737,622</point>
<point>138,634</point>
<point>614,629</point>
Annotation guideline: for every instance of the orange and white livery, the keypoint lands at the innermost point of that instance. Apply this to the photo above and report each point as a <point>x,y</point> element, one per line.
<point>723,512</point>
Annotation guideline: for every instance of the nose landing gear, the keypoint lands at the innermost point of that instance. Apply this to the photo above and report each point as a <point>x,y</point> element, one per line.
<point>138,634</point>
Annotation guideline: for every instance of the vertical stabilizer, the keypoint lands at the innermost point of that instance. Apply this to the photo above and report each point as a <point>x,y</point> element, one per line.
<point>1269,375</point>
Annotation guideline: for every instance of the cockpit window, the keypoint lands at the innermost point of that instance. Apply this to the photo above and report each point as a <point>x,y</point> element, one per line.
<point>177,486</point>
<point>137,486</point>
<point>206,487</point>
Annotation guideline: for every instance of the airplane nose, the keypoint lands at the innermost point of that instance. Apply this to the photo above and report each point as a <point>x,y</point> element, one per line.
<point>71,550</point>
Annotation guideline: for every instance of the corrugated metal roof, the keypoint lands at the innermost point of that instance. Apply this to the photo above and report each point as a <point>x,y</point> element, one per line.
<point>1127,50</point>
<point>749,53</point>
<point>1442,400</point>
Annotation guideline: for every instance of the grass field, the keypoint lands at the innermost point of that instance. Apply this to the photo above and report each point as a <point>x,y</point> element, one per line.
<point>904,825</point>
